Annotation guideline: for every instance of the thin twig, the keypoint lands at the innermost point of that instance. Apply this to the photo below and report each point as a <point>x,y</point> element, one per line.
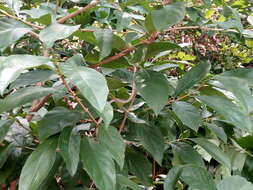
<point>114,57</point>
<point>33,34</point>
<point>122,125</point>
<point>36,105</point>
<point>21,20</point>
<point>127,100</point>
<point>79,11</point>
<point>21,125</point>
<point>86,110</point>
<point>194,27</point>
<point>115,31</point>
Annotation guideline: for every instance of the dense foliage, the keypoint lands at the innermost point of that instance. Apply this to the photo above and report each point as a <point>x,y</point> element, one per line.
<point>126,94</point>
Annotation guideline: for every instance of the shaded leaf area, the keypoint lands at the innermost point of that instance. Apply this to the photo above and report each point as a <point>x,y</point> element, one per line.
<point>38,165</point>
<point>55,120</point>
<point>104,174</point>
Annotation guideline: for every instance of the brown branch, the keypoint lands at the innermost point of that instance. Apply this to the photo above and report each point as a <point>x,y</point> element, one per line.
<point>114,57</point>
<point>193,27</point>
<point>122,125</point>
<point>86,110</point>
<point>79,11</point>
<point>33,34</point>
<point>36,105</point>
<point>130,97</point>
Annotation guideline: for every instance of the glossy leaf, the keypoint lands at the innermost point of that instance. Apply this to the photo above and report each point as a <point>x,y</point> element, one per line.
<point>154,88</point>
<point>245,74</point>
<point>187,154</point>
<point>55,120</point>
<point>157,47</point>
<point>91,83</point>
<point>107,114</point>
<point>11,67</point>
<point>98,163</point>
<point>56,32</point>
<point>33,77</point>
<point>214,151</point>
<point>69,145</point>
<point>36,12</point>
<point>38,165</point>
<point>188,114</point>
<point>232,113</point>
<point>234,183</point>
<point>104,39</point>
<point>218,131</point>
<point>139,165</point>
<point>23,96</point>
<point>125,181</point>
<point>198,178</point>
<point>4,128</point>
<point>172,177</point>
<point>152,140</point>
<point>192,77</point>
<point>10,31</point>
<point>240,90</point>
<point>168,15</point>
<point>113,142</point>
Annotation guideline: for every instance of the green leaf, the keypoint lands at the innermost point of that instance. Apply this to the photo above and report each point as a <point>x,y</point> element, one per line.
<point>113,142</point>
<point>168,16</point>
<point>5,153</point>
<point>33,77</point>
<point>98,163</point>
<point>172,177</point>
<point>240,90</point>
<point>187,154</point>
<point>157,47</point>
<point>234,183</point>
<point>197,178</point>
<point>152,140</point>
<point>4,128</point>
<point>23,96</point>
<point>232,113</point>
<point>214,151</point>
<point>124,181</point>
<point>69,145</point>
<point>154,88</point>
<point>244,74</point>
<point>119,43</point>
<point>10,31</point>
<point>56,32</point>
<point>36,12</point>
<point>107,114</point>
<point>192,77</point>
<point>11,67</point>
<point>91,83</point>
<point>188,114</point>
<point>139,165</point>
<point>55,120</point>
<point>245,142</point>
<point>123,20</point>
<point>218,131</point>
<point>104,39</point>
<point>38,165</point>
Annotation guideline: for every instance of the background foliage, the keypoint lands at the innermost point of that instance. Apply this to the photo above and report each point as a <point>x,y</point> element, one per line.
<point>127,94</point>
